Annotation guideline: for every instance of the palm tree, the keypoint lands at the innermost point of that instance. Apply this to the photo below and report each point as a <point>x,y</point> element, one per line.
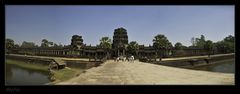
<point>133,47</point>
<point>106,44</point>
<point>161,42</point>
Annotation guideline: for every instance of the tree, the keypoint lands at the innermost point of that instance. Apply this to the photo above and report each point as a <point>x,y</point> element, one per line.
<point>16,46</point>
<point>161,42</point>
<point>9,43</point>
<point>133,47</point>
<point>229,38</point>
<point>51,43</point>
<point>200,42</point>
<point>106,43</point>
<point>46,43</point>
<point>28,44</point>
<point>220,47</point>
<point>226,45</point>
<point>229,42</point>
<point>178,46</point>
<point>208,46</point>
<point>179,49</point>
<point>202,37</point>
<point>193,41</point>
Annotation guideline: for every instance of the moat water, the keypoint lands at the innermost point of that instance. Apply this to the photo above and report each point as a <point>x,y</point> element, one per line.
<point>22,76</point>
<point>224,66</point>
<point>15,75</point>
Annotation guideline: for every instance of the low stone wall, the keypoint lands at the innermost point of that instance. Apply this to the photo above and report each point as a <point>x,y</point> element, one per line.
<point>29,60</point>
<point>82,64</point>
<point>16,58</point>
<point>69,63</point>
<point>194,62</point>
<point>222,58</point>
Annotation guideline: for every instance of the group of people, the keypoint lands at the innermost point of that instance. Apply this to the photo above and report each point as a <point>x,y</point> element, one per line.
<point>131,58</point>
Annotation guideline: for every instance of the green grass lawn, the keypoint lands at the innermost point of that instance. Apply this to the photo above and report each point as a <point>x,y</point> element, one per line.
<point>67,73</point>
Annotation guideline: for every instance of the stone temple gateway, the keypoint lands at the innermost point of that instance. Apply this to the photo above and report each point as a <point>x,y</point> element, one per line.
<point>78,49</point>
<point>120,42</point>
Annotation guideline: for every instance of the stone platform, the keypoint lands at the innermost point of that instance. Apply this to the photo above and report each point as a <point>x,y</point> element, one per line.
<point>139,73</point>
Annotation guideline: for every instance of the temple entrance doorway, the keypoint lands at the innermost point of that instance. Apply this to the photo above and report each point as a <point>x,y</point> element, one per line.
<point>121,52</point>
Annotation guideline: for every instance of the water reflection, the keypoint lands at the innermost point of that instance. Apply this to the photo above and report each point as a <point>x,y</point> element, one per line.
<point>226,66</point>
<point>20,76</point>
<point>8,71</point>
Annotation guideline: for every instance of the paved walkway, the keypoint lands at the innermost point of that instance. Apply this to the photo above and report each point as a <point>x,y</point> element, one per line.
<point>119,73</point>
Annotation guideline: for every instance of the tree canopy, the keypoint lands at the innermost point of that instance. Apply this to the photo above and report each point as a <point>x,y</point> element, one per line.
<point>133,47</point>
<point>200,42</point>
<point>26,44</point>
<point>161,42</point>
<point>106,43</point>
<point>46,43</point>
<point>208,46</point>
<point>9,43</point>
<point>162,45</point>
<point>229,38</point>
<point>226,45</point>
<point>179,46</point>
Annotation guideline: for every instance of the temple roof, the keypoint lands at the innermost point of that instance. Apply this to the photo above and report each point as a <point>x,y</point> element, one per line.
<point>120,30</point>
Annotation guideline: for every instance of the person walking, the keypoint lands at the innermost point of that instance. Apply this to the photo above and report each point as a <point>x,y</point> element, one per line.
<point>132,58</point>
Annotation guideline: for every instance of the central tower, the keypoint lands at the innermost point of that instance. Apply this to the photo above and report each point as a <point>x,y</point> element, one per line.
<point>120,42</point>
<point>76,42</point>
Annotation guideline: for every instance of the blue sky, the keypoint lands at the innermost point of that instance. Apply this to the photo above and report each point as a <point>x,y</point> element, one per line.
<point>58,23</point>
